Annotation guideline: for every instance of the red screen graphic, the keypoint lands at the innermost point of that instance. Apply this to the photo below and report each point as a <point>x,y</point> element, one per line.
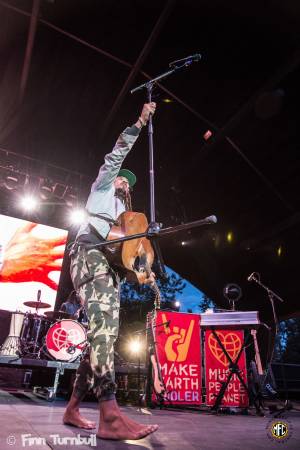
<point>31,257</point>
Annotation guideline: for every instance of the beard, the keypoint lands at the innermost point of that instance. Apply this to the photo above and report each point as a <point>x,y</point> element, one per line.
<point>120,193</point>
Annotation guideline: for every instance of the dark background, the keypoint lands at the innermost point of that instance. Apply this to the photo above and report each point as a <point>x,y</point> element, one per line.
<point>245,90</point>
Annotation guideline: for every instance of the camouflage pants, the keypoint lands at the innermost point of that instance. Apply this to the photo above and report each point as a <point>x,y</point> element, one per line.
<point>98,288</point>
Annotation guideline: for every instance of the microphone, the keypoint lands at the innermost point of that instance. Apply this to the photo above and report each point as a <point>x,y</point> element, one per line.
<point>39,295</point>
<point>211,219</point>
<point>187,60</point>
<point>251,276</point>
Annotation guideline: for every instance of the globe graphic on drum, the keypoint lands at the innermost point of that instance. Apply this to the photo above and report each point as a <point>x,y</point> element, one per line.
<point>66,340</point>
<point>60,338</point>
<point>63,339</point>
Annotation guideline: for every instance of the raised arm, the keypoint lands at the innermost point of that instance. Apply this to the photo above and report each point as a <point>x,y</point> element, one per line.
<point>113,161</point>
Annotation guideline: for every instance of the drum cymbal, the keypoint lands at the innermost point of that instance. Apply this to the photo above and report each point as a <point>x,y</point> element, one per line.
<point>36,305</point>
<point>58,315</point>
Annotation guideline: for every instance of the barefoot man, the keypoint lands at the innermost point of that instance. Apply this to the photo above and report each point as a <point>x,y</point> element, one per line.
<point>97,284</point>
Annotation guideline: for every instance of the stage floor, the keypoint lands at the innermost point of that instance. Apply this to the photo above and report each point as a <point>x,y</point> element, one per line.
<point>24,414</point>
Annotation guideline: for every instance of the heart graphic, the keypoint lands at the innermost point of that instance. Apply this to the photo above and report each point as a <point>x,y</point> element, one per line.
<point>231,342</point>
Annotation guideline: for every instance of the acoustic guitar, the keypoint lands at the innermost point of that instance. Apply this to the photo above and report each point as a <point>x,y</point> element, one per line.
<point>134,258</point>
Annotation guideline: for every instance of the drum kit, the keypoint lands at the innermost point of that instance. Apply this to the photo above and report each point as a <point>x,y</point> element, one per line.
<point>54,335</point>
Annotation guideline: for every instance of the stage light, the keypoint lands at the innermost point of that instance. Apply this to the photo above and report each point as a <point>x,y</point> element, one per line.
<point>14,181</point>
<point>78,216</point>
<point>167,100</point>
<point>71,196</point>
<point>177,304</point>
<point>229,237</point>
<point>29,203</point>
<point>46,189</point>
<point>11,182</point>
<point>279,251</point>
<point>207,135</point>
<point>183,243</point>
<point>135,346</point>
<point>59,190</point>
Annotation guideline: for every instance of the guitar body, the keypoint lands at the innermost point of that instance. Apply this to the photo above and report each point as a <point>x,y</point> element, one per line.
<point>134,259</point>
<point>134,256</point>
<point>158,384</point>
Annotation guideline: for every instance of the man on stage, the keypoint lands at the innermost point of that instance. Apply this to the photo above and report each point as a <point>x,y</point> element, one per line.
<point>97,284</point>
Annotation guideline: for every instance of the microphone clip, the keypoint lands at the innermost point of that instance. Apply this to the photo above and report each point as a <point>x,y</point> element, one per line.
<point>186,61</point>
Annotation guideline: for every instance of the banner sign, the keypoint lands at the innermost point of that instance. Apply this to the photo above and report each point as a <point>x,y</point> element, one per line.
<point>179,354</point>
<point>216,368</point>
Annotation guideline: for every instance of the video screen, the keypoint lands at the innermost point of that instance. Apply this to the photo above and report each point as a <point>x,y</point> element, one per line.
<point>31,257</point>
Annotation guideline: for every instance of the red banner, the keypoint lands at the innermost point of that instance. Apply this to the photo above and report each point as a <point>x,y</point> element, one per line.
<point>216,368</point>
<point>179,354</point>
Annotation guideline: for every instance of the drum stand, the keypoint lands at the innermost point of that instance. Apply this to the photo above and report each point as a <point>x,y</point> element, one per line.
<point>12,344</point>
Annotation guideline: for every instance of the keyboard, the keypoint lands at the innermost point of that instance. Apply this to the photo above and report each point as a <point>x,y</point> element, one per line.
<point>230,318</point>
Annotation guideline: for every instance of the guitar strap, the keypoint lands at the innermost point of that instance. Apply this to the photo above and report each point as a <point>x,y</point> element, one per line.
<point>107,219</point>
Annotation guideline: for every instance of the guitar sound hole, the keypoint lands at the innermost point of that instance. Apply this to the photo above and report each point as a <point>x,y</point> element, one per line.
<point>139,264</point>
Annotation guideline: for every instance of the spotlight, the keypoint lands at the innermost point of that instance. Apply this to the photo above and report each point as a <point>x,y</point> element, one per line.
<point>46,189</point>
<point>183,243</point>
<point>207,135</point>
<point>29,203</point>
<point>14,181</point>
<point>177,304</point>
<point>77,216</point>
<point>229,237</point>
<point>59,190</point>
<point>71,197</point>
<point>11,182</point>
<point>135,346</point>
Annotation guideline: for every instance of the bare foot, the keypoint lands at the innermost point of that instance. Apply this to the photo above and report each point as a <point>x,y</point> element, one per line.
<point>74,418</point>
<point>118,427</point>
<point>135,426</point>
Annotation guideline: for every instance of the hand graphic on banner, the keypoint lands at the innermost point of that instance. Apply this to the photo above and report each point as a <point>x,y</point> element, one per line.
<point>31,258</point>
<point>181,339</point>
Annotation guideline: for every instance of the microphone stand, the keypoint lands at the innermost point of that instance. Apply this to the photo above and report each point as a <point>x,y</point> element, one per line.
<point>150,234</point>
<point>154,227</point>
<point>271,295</point>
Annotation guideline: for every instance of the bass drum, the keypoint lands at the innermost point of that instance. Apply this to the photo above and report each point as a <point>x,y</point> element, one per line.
<point>66,340</point>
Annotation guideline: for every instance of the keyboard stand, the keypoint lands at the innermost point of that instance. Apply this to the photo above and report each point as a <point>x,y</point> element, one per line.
<point>233,369</point>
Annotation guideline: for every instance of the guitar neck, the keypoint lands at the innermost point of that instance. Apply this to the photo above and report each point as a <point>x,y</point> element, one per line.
<point>155,289</point>
<point>257,353</point>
